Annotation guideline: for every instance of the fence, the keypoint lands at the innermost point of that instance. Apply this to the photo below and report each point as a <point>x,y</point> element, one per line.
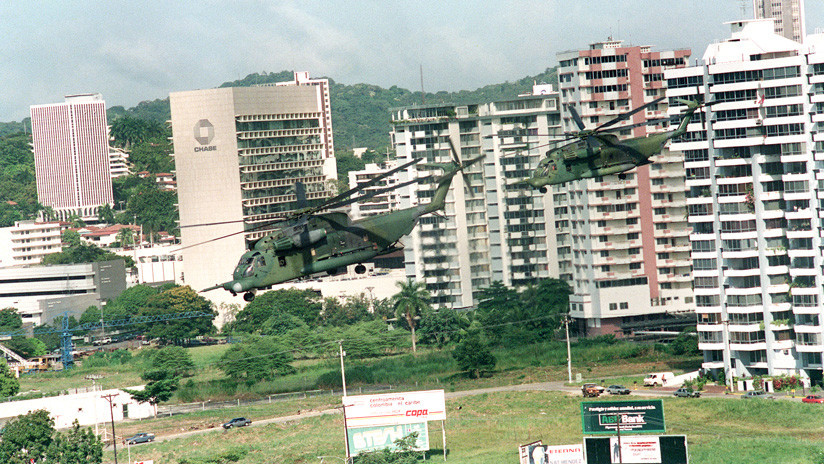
<point>185,408</point>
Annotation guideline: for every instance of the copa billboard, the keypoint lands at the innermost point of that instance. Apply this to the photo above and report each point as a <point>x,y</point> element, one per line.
<point>394,408</point>
<point>631,416</point>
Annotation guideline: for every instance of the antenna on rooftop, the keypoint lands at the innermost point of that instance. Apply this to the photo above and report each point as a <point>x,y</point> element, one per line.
<point>423,94</point>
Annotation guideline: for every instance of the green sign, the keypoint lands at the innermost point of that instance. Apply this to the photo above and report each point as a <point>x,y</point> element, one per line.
<point>363,439</point>
<point>630,416</point>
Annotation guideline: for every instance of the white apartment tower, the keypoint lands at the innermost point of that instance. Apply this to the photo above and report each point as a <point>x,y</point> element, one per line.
<point>629,261</point>
<point>490,230</point>
<point>755,174</point>
<point>788,16</point>
<point>383,201</point>
<point>239,153</point>
<point>71,155</point>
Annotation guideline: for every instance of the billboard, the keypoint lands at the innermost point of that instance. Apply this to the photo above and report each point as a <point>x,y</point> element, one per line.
<point>394,408</point>
<point>363,439</point>
<point>563,454</point>
<point>664,449</point>
<point>631,416</point>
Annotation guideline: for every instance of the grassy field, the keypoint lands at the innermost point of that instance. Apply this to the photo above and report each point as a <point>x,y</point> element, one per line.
<point>487,429</point>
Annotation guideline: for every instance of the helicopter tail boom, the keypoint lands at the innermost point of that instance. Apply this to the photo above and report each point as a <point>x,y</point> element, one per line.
<point>439,199</point>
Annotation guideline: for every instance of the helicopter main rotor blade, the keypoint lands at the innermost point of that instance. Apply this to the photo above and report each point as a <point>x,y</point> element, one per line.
<point>368,184</point>
<point>576,117</point>
<point>628,114</point>
<point>648,122</point>
<point>373,193</point>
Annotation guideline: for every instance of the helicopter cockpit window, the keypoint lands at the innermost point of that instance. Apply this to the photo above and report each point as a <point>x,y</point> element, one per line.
<point>282,261</point>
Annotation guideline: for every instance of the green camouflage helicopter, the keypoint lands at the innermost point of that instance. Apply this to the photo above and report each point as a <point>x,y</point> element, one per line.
<point>596,152</point>
<point>310,243</point>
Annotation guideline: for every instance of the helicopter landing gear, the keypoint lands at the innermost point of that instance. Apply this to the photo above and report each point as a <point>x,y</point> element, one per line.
<point>622,176</point>
<point>360,269</point>
<point>249,296</point>
<point>542,189</point>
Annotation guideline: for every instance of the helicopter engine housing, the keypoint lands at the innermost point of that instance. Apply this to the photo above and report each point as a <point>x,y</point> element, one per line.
<point>299,240</point>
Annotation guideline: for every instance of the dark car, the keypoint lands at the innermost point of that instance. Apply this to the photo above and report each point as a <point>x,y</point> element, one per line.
<point>617,390</point>
<point>757,394</point>
<point>237,422</point>
<point>813,399</point>
<point>687,393</point>
<point>140,438</point>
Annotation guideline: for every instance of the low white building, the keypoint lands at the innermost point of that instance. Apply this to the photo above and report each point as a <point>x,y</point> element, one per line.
<point>87,408</point>
<point>27,242</point>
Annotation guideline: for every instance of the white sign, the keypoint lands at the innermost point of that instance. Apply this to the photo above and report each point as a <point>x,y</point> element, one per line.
<point>636,449</point>
<point>565,454</point>
<point>394,408</point>
<point>523,451</point>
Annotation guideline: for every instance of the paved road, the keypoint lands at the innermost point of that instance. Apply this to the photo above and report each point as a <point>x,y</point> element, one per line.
<point>539,386</point>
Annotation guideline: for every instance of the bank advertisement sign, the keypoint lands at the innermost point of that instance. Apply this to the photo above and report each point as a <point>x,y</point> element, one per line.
<point>394,408</point>
<point>630,416</point>
<point>363,439</point>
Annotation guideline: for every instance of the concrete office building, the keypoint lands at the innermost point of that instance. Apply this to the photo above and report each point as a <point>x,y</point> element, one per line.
<point>755,175</point>
<point>788,17</point>
<point>71,156</point>
<point>629,263</point>
<point>489,230</point>
<point>41,293</point>
<point>27,242</point>
<point>238,154</point>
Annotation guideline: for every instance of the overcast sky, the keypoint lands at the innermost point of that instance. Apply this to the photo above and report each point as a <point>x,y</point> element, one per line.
<point>133,51</point>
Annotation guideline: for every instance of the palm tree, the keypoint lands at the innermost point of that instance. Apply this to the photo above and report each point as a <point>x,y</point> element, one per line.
<point>410,302</point>
<point>125,236</point>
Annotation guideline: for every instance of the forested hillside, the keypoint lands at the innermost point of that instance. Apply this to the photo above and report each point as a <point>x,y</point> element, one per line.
<point>360,118</point>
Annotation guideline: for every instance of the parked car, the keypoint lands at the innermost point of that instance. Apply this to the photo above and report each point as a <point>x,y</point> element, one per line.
<point>617,390</point>
<point>685,392</point>
<point>591,390</point>
<point>813,399</point>
<point>140,438</point>
<point>102,341</point>
<point>757,394</point>
<point>237,422</point>
<point>658,379</point>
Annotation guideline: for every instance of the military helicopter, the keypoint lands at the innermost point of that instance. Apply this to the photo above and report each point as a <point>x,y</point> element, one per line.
<point>310,243</point>
<point>596,152</point>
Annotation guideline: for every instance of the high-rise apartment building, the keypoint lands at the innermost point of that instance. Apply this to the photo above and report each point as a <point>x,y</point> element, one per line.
<point>629,262</point>
<point>383,201</point>
<point>71,155</point>
<point>788,16</point>
<point>490,230</point>
<point>238,154</point>
<point>755,178</point>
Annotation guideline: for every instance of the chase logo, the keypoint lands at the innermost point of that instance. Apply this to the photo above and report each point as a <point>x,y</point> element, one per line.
<point>204,133</point>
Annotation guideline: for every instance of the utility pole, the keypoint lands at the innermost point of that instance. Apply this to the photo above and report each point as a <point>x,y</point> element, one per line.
<point>569,351</point>
<point>110,399</point>
<point>343,380</point>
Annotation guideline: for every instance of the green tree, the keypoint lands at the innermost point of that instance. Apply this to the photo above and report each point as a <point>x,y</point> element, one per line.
<point>128,131</point>
<point>354,309</point>
<point>473,355</point>
<point>27,437</point>
<point>256,359</point>
<point>125,237</point>
<point>156,391</point>
<point>84,253</point>
<point>26,347</point>
<point>10,320</point>
<point>153,155</point>
<point>409,303</point>
<point>442,326</point>
<point>497,306</point>
<point>175,301</point>
<point>175,360</point>
<point>154,209</point>
<point>9,385</point>
<point>304,304</point>
<point>105,214</point>
<point>76,446</point>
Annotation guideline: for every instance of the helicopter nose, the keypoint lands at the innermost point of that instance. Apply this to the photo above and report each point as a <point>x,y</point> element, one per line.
<point>237,287</point>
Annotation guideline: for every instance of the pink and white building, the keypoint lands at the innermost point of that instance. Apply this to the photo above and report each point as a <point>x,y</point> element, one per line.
<point>71,155</point>
<point>628,260</point>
